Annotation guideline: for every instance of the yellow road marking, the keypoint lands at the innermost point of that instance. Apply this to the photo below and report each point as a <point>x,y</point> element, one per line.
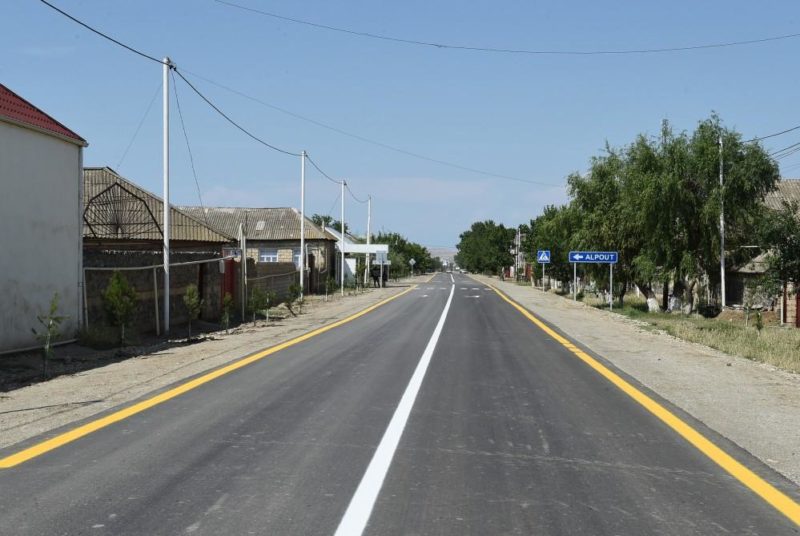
<point>779,500</point>
<point>86,429</point>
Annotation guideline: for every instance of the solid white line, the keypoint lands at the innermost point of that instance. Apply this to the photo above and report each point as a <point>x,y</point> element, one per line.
<point>452,279</point>
<point>360,508</point>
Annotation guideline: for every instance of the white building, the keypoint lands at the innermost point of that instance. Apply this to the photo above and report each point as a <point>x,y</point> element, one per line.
<point>40,220</point>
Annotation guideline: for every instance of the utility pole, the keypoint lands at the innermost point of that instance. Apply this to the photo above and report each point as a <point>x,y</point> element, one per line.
<point>344,184</point>
<point>302,222</point>
<point>721,226</point>
<point>167,65</point>
<point>369,222</point>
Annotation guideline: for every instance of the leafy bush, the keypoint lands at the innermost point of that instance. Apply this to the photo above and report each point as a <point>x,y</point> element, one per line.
<point>49,332</point>
<point>260,301</point>
<point>119,300</point>
<point>227,310</point>
<point>292,296</point>
<point>193,304</point>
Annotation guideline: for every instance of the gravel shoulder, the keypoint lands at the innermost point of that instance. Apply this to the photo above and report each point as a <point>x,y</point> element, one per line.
<point>754,405</point>
<point>42,407</point>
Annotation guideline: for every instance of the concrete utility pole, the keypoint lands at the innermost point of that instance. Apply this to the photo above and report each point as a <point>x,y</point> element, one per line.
<point>721,226</point>
<point>369,222</point>
<point>302,222</point>
<point>344,184</point>
<point>167,65</point>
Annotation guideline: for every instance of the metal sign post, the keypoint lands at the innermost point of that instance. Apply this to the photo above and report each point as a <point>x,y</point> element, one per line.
<point>574,282</point>
<point>611,287</point>
<point>543,258</point>
<point>594,257</point>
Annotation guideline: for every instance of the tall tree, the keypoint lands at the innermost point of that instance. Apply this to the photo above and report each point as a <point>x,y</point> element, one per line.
<point>486,247</point>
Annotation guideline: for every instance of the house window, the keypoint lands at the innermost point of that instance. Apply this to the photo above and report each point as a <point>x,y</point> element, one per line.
<point>296,257</point>
<point>268,255</point>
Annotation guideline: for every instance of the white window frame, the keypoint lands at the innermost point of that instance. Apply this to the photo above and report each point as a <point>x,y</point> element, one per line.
<point>267,254</point>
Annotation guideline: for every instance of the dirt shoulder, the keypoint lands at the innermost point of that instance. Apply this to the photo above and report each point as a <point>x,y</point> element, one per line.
<point>39,408</point>
<point>756,406</point>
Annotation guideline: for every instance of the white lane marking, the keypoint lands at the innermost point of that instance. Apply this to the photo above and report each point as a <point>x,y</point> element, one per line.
<point>472,296</point>
<point>452,279</point>
<point>442,288</point>
<point>360,508</point>
<point>424,296</point>
<point>462,288</point>
<point>475,288</point>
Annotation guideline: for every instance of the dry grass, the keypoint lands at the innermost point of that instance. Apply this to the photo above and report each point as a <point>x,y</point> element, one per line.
<point>774,345</point>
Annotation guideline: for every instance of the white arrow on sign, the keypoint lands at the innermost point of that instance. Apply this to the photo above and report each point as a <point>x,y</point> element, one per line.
<point>578,256</point>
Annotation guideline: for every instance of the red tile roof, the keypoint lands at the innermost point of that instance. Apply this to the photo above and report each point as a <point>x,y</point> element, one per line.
<point>18,110</point>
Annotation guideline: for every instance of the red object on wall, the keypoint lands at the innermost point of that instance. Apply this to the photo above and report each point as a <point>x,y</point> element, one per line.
<point>229,278</point>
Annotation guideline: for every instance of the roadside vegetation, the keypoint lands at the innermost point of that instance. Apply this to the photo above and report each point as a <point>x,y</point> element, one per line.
<point>657,202</point>
<point>730,332</point>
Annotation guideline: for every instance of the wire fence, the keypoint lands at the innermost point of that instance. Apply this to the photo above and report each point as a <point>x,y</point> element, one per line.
<point>148,282</point>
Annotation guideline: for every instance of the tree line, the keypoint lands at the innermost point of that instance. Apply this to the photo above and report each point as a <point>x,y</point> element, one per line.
<point>657,201</point>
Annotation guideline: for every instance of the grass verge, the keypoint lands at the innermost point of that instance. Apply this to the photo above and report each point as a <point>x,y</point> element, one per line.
<point>729,333</point>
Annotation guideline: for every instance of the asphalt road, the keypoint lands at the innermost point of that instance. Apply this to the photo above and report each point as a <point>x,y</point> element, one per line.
<point>508,433</point>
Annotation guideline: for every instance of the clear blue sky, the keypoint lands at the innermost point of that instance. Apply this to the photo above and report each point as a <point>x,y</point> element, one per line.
<point>537,117</point>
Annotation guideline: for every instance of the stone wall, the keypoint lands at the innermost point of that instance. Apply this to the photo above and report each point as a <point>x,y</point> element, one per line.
<point>206,276</point>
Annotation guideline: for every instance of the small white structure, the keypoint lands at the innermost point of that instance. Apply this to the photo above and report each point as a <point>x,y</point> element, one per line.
<point>352,248</point>
<point>41,169</point>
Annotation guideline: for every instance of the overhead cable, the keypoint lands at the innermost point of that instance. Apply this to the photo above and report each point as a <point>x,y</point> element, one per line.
<point>357,200</point>
<point>189,149</point>
<point>552,52</point>
<point>310,161</point>
<point>368,140</point>
<point>231,121</point>
<point>139,127</point>
<point>101,34</point>
<point>773,135</point>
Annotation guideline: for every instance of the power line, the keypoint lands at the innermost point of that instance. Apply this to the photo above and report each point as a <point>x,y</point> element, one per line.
<point>780,153</point>
<point>368,140</point>
<point>773,135</point>
<point>139,127</point>
<point>357,200</point>
<point>231,121</point>
<point>555,52</point>
<point>338,196</point>
<point>189,149</point>
<point>318,123</point>
<point>101,34</point>
<point>320,170</point>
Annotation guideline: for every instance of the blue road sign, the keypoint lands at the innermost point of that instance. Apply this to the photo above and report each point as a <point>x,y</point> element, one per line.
<point>543,256</point>
<point>593,257</point>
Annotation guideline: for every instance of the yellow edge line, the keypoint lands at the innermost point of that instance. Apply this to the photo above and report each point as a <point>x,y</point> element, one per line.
<point>779,500</point>
<point>86,429</point>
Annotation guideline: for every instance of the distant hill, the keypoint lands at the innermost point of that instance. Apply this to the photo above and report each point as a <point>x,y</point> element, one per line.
<point>445,254</point>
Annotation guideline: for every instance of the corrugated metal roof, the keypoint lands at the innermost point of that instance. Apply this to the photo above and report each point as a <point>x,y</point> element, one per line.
<point>787,190</point>
<point>262,223</point>
<point>117,209</point>
<point>21,112</point>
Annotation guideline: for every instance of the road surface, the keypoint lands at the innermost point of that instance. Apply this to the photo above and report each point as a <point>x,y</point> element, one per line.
<point>443,412</point>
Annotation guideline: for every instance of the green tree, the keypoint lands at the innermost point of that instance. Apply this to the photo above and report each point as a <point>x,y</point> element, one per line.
<point>260,302</point>
<point>780,233</point>
<point>194,304</point>
<point>227,310</point>
<point>486,247</point>
<point>49,332</point>
<point>119,300</point>
<point>292,297</point>
<point>402,250</point>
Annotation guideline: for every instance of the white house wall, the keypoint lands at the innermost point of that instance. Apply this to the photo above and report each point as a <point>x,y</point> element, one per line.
<point>40,232</point>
